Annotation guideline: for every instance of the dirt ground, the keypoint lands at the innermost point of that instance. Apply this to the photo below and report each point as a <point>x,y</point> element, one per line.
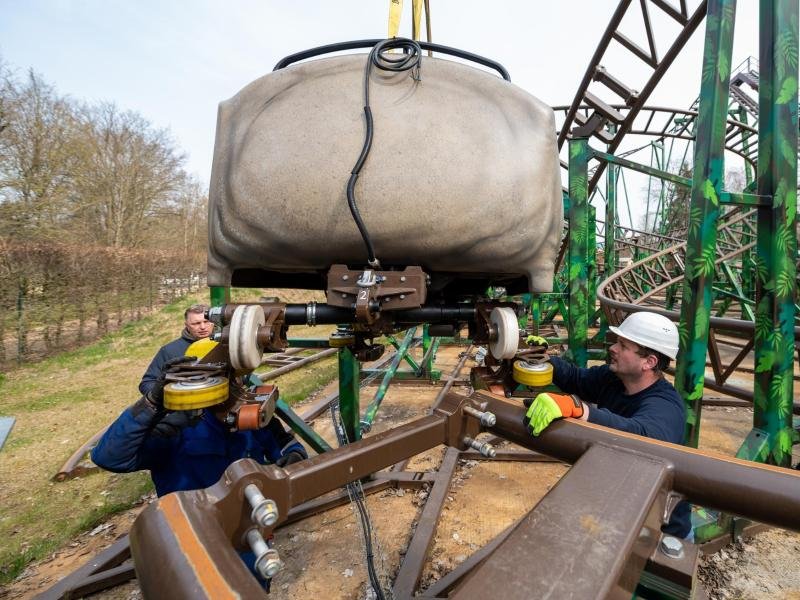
<point>324,554</point>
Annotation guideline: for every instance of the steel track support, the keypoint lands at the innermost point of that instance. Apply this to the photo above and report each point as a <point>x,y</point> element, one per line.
<point>220,295</point>
<point>609,247</point>
<point>578,250</point>
<point>349,378</point>
<point>707,182</point>
<point>372,409</point>
<point>776,245</point>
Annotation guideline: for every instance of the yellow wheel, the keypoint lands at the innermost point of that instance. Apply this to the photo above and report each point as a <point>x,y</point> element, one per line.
<point>190,395</point>
<point>533,375</point>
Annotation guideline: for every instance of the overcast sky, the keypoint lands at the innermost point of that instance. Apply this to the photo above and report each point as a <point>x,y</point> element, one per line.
<point>173,61</point>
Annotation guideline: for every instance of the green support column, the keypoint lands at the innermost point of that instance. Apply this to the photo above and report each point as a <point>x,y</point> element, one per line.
<point>220,295</point>
<point>776,242</point>
<point>609,248</point>
<point>536,313</point>
<point>707,183</point>
<point>427,340</point>
<point>610,253</point>
<point>349,380</point>
<point>578,249</point>
<point>591,264</point>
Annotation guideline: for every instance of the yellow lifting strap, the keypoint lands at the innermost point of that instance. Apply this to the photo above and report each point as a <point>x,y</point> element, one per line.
<point>395,13</point>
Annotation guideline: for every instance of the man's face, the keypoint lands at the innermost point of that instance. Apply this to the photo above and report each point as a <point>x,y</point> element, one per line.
<point>625,361</point>
<point>198,325</point>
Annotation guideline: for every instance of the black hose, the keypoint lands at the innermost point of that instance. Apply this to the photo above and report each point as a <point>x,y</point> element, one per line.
<point>411,59</point>
<point>357,496</point>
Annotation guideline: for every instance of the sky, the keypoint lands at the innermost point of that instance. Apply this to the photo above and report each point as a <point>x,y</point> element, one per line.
<point>173,61</point>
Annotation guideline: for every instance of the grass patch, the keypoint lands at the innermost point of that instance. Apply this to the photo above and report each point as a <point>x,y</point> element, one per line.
<point>306,381</point>
<point>129,490</point>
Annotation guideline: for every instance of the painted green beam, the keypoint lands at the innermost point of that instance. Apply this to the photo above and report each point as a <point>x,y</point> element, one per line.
<point>579,153</point>
<point>349,379</point>
<point>220,295</point>
<point>776,242</point>
<point>707,182</point>
<point>634,166</point>
<point>380,394</point>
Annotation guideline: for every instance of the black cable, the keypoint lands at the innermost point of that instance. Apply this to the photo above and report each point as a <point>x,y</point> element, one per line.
<point>356,496</point>
<point>410,59</point>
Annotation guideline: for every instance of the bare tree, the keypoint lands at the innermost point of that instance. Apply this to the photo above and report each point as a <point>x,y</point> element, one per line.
<point>131,173</point>
<point>36,160</point>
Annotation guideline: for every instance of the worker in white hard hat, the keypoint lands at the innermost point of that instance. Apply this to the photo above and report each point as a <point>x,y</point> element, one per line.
<point>629,393</point>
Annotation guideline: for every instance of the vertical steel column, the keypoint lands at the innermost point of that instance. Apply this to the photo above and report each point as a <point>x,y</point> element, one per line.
<point>427,365</point>
<point>578,249</point>
<point>610,259</point>
<point>349,379</point>
<point>591,263</point>
<point>707,181</point>
<point>776,245</point>
<point>220,295</point>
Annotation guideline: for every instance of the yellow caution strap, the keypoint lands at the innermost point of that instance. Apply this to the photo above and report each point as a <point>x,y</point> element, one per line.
<point>395,12</point>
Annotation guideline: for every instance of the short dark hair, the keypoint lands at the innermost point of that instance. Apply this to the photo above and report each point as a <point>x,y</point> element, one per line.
<point>195,308</point>
<point>662,359</point>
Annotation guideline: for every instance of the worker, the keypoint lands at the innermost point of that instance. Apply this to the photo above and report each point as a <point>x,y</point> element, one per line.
<point>630,393</point>
<point>188,449</point>
<point>196,327</point>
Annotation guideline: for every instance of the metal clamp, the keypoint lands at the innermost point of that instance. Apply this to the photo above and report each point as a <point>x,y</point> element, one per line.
<point>311,314</point>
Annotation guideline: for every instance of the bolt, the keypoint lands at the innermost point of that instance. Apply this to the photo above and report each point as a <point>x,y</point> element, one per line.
<point>487,419</point>
<point>402,296</point>
<point>344,295</point>
<point>265,511</point>
<point>671,546</point>
<point>403,278</point>
<point>485,448</point>
<point>268,563</point>
<point>345,277</point>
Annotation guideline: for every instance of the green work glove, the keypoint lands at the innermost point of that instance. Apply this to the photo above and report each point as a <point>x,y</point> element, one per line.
<point>536,340</point>
<point>548,407</point>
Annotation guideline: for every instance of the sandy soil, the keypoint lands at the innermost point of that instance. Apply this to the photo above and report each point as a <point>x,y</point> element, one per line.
<point>324,555</point>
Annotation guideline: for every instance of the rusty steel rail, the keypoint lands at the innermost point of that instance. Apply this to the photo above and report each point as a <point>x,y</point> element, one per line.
<point>184,544</point>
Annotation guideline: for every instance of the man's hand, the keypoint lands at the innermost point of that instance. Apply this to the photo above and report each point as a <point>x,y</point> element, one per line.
<point>289,458</point>
<point>155,397</point>
<point>536,340</point>
<point>548,407</point>
<point>173,422</point>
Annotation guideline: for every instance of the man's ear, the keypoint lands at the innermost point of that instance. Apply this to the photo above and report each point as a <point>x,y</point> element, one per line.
<point>650,363</point>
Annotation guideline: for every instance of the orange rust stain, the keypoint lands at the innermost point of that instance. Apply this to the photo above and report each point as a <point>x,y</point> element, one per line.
<point>208,576</point>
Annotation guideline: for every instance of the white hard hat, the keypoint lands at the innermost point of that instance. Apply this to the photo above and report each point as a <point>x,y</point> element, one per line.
<point>650,330</point>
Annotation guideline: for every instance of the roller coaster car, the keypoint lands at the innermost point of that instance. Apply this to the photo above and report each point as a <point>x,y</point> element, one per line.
<point>460,190</point>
